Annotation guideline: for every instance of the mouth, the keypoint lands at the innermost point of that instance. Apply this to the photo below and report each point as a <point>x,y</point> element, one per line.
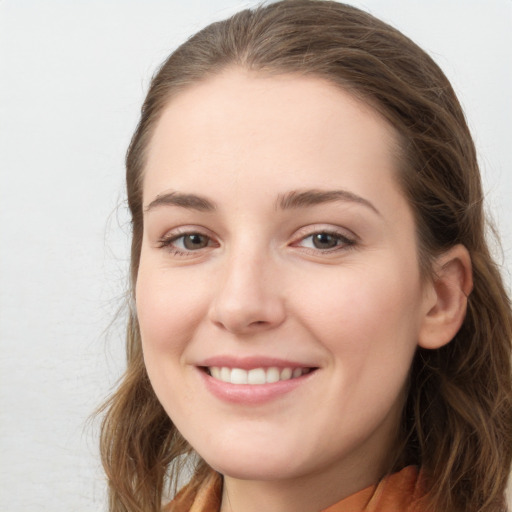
<point>255,376</point>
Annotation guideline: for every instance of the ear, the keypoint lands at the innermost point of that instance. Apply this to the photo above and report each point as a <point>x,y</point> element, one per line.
<point>447,298</point>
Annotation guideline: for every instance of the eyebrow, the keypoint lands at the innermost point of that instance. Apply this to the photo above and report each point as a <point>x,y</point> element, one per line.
<point>305,198</point>
<point>289,201</point>
<point>189,201</point>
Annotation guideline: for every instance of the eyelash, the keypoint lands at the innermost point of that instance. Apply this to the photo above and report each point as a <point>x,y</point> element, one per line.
<point>167,242</point>
<point>343,242</point>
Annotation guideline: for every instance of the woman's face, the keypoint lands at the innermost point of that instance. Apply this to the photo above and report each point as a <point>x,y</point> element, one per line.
<point>279,294</point>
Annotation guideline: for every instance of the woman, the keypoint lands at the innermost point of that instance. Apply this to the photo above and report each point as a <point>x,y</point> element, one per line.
<point>316,313</point>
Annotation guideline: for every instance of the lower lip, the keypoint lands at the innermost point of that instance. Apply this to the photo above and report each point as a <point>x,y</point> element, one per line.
<point>252,394</point>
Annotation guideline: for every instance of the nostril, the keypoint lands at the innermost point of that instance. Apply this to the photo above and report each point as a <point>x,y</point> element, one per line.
<point>246,312</point>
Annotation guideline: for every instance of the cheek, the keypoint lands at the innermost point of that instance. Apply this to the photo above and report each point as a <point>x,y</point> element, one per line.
<point>169,308</point>
<point>368,312</point>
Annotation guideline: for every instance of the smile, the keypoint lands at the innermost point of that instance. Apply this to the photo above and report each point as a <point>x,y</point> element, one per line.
<point>255,376</point>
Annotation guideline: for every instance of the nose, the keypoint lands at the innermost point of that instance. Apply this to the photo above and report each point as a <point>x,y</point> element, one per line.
<point>248,298</point>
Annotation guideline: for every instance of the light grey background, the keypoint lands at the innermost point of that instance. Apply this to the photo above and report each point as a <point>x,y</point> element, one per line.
<point>72,78</point>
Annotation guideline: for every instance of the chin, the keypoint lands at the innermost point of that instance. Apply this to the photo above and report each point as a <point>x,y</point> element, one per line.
<point>253,463</point>
<point>263,470</point>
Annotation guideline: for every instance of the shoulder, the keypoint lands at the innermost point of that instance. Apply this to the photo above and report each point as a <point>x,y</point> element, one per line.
<point>198,496</point>
<point>405,490</point>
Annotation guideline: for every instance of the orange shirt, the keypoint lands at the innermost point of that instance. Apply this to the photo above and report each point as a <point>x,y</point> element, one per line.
<point>400,492</point>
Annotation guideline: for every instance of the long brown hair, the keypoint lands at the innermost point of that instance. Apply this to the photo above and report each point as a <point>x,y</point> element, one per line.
<point>457,422</point>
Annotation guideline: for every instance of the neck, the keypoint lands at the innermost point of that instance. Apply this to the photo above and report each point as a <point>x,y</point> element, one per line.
<point>301,494</point>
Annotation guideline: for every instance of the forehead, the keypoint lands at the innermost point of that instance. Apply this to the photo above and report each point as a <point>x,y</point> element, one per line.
<point>267,127</point>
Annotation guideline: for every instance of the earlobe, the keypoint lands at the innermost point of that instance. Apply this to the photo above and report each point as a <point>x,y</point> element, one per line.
<point>451,285</point>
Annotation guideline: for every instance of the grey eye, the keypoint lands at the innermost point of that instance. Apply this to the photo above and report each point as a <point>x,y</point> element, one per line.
<point>324,240</point>
<point>194,241</point>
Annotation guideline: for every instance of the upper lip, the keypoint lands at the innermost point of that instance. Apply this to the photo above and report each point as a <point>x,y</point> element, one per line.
<point>248,363</point>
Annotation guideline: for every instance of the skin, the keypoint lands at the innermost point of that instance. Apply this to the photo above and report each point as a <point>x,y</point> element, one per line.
<point>258,286</point>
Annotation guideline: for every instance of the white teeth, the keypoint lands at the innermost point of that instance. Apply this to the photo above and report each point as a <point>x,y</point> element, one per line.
<point>238,376</point>
<point>256,375</point>
<point>297,373</point>
<point>286,373</point>
<point>273,375</point>
<point>225,374</point>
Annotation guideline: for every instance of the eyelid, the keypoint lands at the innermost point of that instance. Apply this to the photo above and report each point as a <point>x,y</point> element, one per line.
<point>348,237</point>
<point>166,241</point>
<point>312,229</point>
<point>187,230</point>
